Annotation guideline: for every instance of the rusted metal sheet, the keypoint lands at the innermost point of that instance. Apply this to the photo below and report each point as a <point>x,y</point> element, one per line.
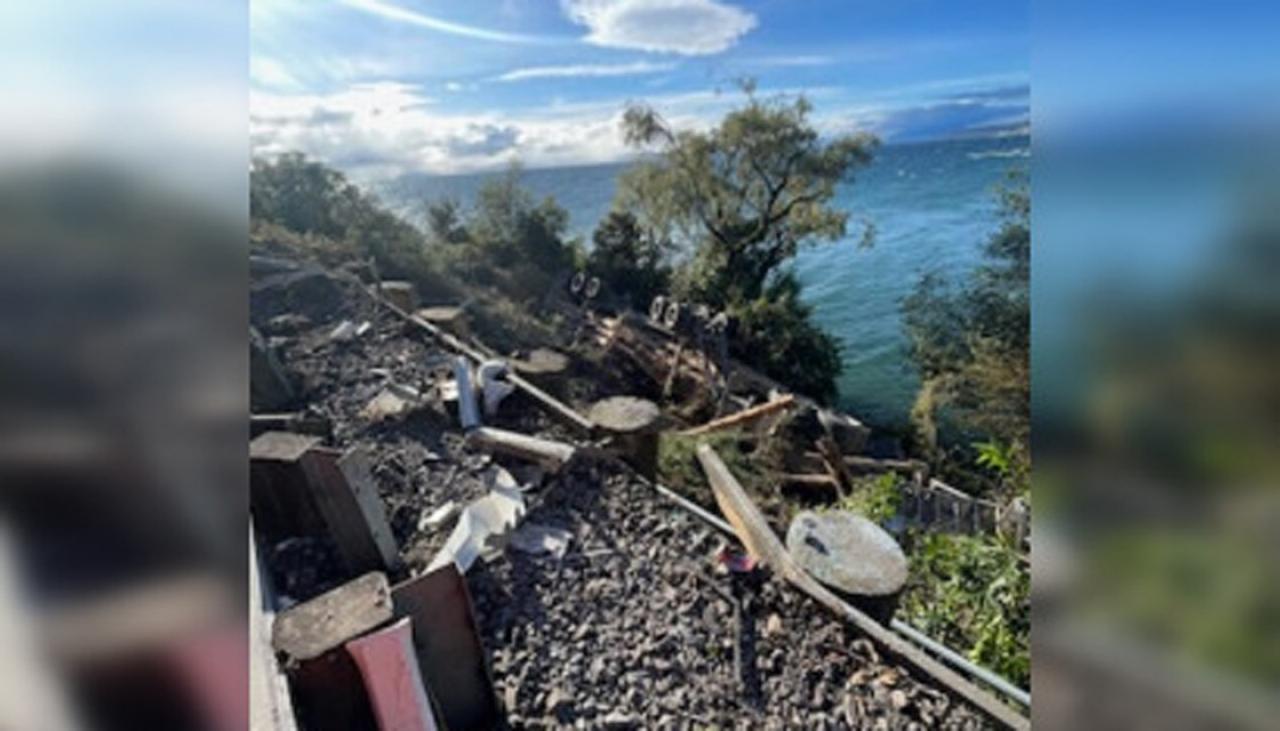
<point>451,658</point>
<point>753,530</point>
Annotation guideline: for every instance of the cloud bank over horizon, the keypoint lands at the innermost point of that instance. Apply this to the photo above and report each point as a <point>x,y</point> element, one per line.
<point>380,88</point>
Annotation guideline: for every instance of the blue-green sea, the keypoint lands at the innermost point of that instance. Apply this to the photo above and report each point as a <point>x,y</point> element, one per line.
<point>932,206</point>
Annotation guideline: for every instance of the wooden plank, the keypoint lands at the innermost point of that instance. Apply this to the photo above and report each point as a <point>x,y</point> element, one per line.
<point>449,651</point>
<point>753,530</point>
<point>354,521</point>
<point>312,628</point>
<point>742,417</point>
<point>552,455</point>
<point>354,465</point>
<point>279,496</point>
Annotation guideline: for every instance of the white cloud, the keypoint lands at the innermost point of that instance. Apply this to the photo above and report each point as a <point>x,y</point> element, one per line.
<point>585,70</point>
<point>380,130</point>
<point>412,17</point>
<point>269,72</point>
<point>791,61</point>
<point>688,27</point>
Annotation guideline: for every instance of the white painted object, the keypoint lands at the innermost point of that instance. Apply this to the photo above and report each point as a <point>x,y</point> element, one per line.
<point>482,528</point>
<point>493,384</point>
<point>344,332</point>
<point>439,516</point>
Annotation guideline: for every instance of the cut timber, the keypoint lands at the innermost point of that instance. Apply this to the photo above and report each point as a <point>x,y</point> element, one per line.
<point>346,498</point>
<point>401,294</point>
<point>444,315</point>
<point>279,497</point>
<point>549,454</point>
<point>541,362</point>
<point>633,424</point>
<point>354,466</point>
<point>742,417</point>
<point>450,655</point>
<point>312,628</point>
<point>754,532</point>
<point>848,552</point>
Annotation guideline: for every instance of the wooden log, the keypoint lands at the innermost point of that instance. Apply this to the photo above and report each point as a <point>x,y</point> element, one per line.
<point>311,629</point>
<point>753,530</point>
<point>741,417</point>
<point>633,424</point>
<point>551,455</point>
<point>402,294</point>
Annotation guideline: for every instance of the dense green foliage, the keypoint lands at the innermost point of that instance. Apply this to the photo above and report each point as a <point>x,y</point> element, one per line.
<point>630,262</point>
<point>971,343</point>
<point>310,198</point>
<point>973,592</point>
<point>741,199</point>
<point>509,241</point>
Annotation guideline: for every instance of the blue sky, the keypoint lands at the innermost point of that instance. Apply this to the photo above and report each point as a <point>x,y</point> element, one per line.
<point>382,87</point>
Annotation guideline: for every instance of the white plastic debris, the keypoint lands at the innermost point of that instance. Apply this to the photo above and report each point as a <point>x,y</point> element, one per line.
<point>492,376</point>
<point>483,526</point>
<point>538,539</point>
<point>363,328</point>
<point>344,332</point>
<point>468,414</point>
<point>439,516</point>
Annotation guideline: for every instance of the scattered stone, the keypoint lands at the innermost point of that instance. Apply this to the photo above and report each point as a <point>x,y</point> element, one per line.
<point>620,720</point>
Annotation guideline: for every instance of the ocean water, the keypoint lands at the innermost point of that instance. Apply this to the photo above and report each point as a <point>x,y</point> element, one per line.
<point>932,206</point>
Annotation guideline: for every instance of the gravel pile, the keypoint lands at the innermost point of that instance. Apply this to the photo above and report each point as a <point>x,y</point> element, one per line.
<point>634,627</point>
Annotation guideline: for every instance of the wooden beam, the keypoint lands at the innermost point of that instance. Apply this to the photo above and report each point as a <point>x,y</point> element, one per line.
<point>552,455</point>
<point>741,417</point>
<point>311,629</point>
<point>751,528</point>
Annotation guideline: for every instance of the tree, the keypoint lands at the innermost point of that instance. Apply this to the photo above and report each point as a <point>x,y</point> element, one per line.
<point>444,222</point>
<point>519,242</point>
<point>743,198</point>
<point>971,341</point>
<point>628,261</point>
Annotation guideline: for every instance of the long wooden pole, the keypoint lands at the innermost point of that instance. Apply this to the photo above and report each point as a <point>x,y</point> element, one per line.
<point>741,417</point>
<point>754,532</point>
